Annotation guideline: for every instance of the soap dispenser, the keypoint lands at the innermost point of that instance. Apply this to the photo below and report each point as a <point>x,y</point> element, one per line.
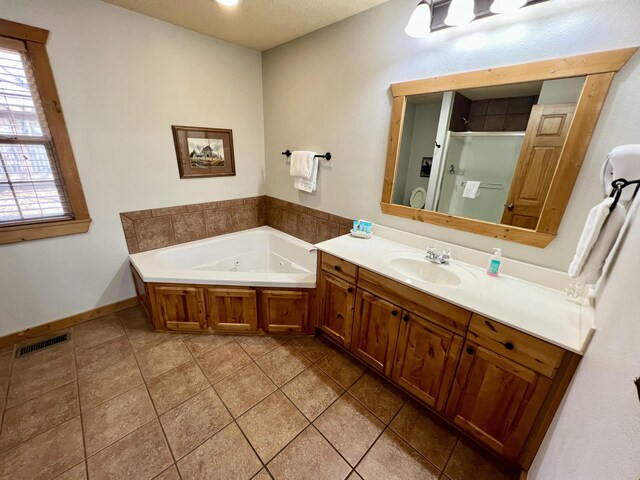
<point>495,263</point>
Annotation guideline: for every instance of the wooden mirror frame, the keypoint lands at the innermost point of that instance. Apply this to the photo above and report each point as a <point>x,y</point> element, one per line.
<point>598,70</point>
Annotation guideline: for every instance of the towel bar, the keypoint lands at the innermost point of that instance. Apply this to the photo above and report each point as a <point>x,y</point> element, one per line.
<point>287,153</point>
<point>489,186</point>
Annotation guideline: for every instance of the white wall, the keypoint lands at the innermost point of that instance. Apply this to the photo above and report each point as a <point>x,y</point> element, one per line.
<point>596,432</point>
<point>329,90</point>
<point>124,79</point>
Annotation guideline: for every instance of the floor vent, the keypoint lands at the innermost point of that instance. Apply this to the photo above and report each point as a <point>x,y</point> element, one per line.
<point>42,344</point>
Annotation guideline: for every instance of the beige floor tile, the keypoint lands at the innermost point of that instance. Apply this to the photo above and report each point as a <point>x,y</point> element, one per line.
<point>379,396</point>
<point>116,418</point>
<point>175,386</point>
<point>341,368</point>
<point>392,458</point>
<point>79,472</point>
<point>6,359</point>
<point>99,357</point>
<point>45,456</point>
<point>354,476</point>
<point>41,378</point>
<point>223,361</point>
<point>470,461</point>
<point>38,415</point>
<point>201,344</point>
<point>309,457</point>
<point>170,473</point>
<point>96,331</point>
<point>272,424</point>
<point>349,427</point>
<point>283,363</point>
<point>166,356</point>
<point>110,382</point>
<point>4,385</point>
<point>312,347</point>
<point>45,355</point>
<point>142,336</point>
<point>142,455</point>
<point>244,389</point>
<point>312,392</point>
<point>426,433</point>
<point>194,421</point>
<point>225,456</point>
<point>262,475</point>
<point>258,345</point>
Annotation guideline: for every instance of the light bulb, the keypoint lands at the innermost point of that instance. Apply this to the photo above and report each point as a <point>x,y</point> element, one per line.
<point>228,3</point>
<point>460,12</point>
<point>419,24</point>
<point>506,6</point>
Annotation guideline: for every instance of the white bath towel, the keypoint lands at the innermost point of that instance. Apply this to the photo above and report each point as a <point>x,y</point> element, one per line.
<point>600,232</point>
<point>301,164</point>
<point>307,184</point>
<point>471,189</point>
<point>592,268</point>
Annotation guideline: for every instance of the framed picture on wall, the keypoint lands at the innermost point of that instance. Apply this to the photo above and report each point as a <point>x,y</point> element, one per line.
<point>425,167</point>
<point>204,152</point>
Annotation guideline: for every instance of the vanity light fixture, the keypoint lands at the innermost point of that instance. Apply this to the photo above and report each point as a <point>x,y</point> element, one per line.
<point>419,25</point>
<point>228,3</point>
<point>507,6</point>
<point>461,12</point>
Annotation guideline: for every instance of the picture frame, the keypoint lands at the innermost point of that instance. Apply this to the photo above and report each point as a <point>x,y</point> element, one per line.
<point>425,166</point>
<point>204,152</point>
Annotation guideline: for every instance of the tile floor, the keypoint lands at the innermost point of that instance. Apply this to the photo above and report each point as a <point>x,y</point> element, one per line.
<point>120,401</point>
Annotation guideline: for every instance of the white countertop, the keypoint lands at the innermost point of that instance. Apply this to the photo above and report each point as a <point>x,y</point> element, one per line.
<point>534,309</point>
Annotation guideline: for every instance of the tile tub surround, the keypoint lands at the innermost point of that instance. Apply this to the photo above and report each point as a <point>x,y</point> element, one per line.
<point>163,227</point>
<point>183,420</point>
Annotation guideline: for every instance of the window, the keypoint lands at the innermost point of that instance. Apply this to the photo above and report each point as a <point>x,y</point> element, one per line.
<point>40,191</point>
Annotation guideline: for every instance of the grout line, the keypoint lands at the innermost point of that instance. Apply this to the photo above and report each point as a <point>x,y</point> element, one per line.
<point>84,443</point>
<point>455,445</point>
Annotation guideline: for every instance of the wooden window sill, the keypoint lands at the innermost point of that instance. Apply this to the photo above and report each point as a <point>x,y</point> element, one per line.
<point>36,231</point>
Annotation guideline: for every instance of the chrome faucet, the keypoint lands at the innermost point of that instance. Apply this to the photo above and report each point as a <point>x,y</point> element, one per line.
<point>441,258</point>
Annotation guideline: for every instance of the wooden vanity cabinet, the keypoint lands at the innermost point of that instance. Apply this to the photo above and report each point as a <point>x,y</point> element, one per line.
<point>375,331</point>
<point>496,400</point>
<point>425,359</point>
<point>179,308</point>
<point>337,307</point>
<point>232,309</point>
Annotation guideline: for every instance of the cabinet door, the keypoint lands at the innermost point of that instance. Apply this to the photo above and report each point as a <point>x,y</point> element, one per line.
<point>338,300</point>
<point>375,331</point>
<point>232,309</point>
<point>496,400</point>
<point>180,308</point>
<point>426,359</point>
<point>285,311</point>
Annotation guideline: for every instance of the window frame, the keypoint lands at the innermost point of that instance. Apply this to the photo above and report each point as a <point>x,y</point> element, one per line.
<point>35,40</point>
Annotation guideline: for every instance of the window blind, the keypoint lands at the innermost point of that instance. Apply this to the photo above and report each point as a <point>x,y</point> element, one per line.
<point>31,187</point>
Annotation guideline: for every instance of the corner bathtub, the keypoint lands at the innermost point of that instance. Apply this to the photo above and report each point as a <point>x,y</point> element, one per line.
<point>259,257</point>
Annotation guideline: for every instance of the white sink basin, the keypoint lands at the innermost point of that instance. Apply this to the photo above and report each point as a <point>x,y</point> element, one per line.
<point>415,267</point>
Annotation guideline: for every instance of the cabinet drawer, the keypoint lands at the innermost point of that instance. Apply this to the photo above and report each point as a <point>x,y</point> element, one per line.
<point>438,311</point>
<point>340,268</point>
<point>529,351</point>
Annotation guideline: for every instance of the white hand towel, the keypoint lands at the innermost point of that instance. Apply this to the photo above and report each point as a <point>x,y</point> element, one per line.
<point>301,164</point>
<point>308,184</point>
<point>593,229</point>
<point>471,189</point>
<point>592,268</point>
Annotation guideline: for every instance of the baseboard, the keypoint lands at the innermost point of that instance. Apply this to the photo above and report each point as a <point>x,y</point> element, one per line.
<point>62,323</point>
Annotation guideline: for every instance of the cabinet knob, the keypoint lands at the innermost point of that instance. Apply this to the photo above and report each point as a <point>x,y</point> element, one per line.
<point>337,268</point>
<point>394,313</point>
<point>471,350</point>
<point>350,290</point>
<point>509,346</point>
<point>339,315</point>
<point>406,317</point>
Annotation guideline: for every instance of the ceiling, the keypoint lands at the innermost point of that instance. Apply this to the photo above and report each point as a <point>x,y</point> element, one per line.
<point>257,24</point>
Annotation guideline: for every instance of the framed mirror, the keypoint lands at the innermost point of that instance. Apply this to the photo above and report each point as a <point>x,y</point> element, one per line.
<point>496,152</point>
